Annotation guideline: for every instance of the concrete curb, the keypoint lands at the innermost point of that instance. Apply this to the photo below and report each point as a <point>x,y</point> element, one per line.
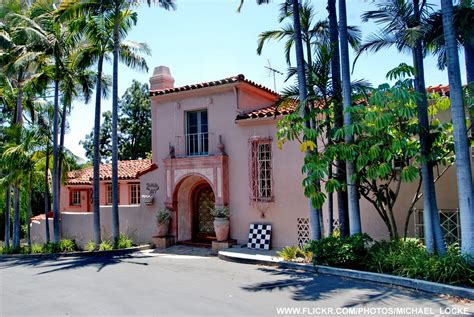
<point>76,254</point>
<point>419,285</point>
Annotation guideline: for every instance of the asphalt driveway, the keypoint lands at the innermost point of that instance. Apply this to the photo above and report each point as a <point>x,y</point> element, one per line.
<point>175,284</point>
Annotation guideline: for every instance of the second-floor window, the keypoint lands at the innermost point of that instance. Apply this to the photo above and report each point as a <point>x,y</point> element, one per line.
<point>109,194</point>
<point>197,137</point>
<point>134,194</point>
<point>261,183</point>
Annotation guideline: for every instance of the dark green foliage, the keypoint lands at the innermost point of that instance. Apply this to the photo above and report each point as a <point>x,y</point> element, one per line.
<point>67,245</point>
<point>410,259</point>
<point>124,242</point>
<point>134,139</point>
<point>348,252</point>
<point>406,258</point>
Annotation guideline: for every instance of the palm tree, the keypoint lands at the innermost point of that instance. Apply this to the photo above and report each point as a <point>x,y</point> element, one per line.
<point>463,15</point>
<point>461,146</point>
<point>402,24</point>
<point>352,191</point>
<point>340,166</point>
<point>104,18</point>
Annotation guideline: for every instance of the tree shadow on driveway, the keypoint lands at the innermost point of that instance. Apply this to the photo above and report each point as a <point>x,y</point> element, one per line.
<point>348,292</point>
<point>57,263</point>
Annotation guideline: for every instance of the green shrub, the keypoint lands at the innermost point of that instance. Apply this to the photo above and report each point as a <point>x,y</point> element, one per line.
<point>36,249</point>
<point>163,215</point>
<point>410,259</point>
<point>348,252</point>
<point>288,253</point>
<point>105,246</point>
<point>90,246</point>
<point>295,253</point>
<point>124,242</point>
<point>6,250</point>
<point>51,247</point>
<point>67,245</point>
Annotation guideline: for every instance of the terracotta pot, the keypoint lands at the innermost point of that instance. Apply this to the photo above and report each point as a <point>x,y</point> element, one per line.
<point>221,228</point>
<point>163,229</point>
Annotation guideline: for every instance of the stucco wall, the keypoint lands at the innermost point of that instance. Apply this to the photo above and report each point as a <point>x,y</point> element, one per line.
<point>290,203</point>
<point>137,223</point>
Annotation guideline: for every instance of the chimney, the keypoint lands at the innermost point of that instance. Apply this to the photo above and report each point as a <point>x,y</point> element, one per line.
<point>161,79</point>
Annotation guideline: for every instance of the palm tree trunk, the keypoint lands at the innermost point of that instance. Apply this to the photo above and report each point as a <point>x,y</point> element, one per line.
<point>461,146</point>
<point>7,216</point>
<point>16,216</point>
<point>115,197</point>
<point>28,211</point>
<point>352,191</point>
<point>96,159</point>
<point>19,107</point>
<point>338,113</point>
<point>61,147</point>
<point>55,164</point>
<point>431,220</point>
<point>46,195</point>
<point>313,213</point>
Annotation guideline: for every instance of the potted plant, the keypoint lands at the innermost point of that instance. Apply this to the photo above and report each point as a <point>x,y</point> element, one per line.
<point>163,218</point>
<point>221,222</point>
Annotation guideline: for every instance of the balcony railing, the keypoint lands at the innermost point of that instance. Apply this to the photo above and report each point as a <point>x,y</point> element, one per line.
<point>195,144</point>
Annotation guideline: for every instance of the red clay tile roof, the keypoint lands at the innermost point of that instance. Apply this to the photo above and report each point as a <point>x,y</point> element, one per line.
<point>270,111</point>
<point>129,169</point>
<point>229,80</point>
<point>441,89</point>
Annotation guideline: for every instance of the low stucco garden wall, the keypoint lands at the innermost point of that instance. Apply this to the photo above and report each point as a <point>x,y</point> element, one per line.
<point>136,222</point>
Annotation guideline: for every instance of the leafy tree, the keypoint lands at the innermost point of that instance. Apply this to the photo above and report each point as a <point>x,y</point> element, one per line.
<point>105,141</point>
<point>134,139</point>
<point>402,22</point>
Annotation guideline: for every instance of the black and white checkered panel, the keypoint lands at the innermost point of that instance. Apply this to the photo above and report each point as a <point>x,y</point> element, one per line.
<point>259,236</point>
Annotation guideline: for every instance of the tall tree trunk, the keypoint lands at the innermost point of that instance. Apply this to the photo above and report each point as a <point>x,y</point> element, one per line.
<point>96,159</point>
<point>338,113</point>
<point>55,164</point>
<point>46,195</point>
<point>28,211</point>
<point>431,220</point>
<point>461,146</point>
<point>7,216</point>
<point>352,191</point>
<point>313,213</point>
<point>61,147</point>
<point>16,216</point>
<point>16,192</point>
<point>312,125</point>
<point>115,196</point>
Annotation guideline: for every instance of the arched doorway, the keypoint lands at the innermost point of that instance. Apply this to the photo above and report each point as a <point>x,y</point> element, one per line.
<point>203,199</point>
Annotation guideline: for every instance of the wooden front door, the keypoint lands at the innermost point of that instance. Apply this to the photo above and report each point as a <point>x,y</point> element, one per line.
<point>203,224</point>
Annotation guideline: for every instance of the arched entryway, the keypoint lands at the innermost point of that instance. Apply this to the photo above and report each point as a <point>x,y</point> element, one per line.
<point>203,200</point>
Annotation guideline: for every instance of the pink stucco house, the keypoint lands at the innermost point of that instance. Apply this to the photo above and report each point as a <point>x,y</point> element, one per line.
<point>214,143</point>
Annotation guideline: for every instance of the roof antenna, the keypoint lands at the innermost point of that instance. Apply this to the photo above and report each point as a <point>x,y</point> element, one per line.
<point>273,71</point>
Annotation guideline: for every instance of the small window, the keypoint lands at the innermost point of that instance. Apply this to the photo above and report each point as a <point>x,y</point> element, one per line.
<point>75,198</point>
<point>109,194</point>
<point>261,184</point>
<point>134,194</point>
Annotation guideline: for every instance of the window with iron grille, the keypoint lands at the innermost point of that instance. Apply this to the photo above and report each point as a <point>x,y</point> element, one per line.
<point>450,225</point>
<point>134,194</point>
<point>260,161</point>
<point>109,194</point>
<point>75,198</point>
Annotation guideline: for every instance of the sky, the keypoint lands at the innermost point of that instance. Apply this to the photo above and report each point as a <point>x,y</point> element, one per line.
<point>205,40</point>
